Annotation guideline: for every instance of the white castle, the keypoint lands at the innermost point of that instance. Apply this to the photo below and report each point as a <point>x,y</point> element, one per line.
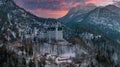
<point>54,32</point>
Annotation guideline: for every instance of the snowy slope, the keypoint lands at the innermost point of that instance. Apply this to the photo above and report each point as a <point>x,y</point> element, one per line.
<point>77,11</point>
<point>104,21</point>
<point>101,20</point>
<point>18,24</point>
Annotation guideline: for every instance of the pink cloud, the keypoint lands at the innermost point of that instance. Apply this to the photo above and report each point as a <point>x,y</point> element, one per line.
<point>55,8</point>
<point>49,13</point>
<point>100,2</point>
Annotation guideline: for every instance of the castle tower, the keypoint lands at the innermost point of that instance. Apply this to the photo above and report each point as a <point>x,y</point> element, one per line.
<point>55,32</point>
<point>58,32</point>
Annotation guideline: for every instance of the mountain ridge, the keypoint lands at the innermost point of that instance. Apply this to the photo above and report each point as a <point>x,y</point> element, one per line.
<point>78,10</point>
<point>100,18</point>
<point>16,21</point>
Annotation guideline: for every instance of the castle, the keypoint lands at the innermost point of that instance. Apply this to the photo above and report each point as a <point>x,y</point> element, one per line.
<point>53,32</point>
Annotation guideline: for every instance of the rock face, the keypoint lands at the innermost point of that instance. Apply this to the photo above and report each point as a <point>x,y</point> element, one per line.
<point>101,20</point>
<point>18,24</point>
<point>77,11</point>
<point>107,20</point>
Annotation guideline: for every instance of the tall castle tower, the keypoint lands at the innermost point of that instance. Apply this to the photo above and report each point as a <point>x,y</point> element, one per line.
<point>55,32</point>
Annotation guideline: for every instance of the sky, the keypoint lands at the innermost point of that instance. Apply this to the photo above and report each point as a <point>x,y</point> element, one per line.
<point>57,8</point>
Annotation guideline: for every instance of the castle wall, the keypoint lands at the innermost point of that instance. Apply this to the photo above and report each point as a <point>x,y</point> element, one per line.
<point>51,35</point>
<point>59,35</point>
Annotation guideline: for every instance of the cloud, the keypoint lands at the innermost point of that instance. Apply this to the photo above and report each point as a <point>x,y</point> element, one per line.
<point>48,8</point>
<point>117,3</point>
<point>55,8</point>
<point>48,13</point>
<point>100,2</point>
<point>48,4</point>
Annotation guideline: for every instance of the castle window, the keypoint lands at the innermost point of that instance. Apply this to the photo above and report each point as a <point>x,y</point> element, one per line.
<point>59,28</point>
<point>51,28</point>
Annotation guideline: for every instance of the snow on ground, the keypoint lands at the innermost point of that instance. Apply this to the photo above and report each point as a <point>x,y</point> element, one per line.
<point>1,45</point>
<point>68,55</point>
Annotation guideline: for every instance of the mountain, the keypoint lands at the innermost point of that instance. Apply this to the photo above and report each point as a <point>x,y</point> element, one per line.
<point>17,24</point>
<point>101,20</point>
<point>113,8</point>
<point>77,11</point>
